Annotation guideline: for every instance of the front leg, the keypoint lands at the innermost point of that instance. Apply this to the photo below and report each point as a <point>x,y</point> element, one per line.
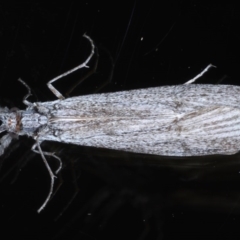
<point>49,84</point>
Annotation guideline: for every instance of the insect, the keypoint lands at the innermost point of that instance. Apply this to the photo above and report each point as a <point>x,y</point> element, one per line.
<point>181,120</point>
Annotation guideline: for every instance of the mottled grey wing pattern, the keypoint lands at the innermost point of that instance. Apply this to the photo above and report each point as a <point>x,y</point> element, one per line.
<point>184,120</point>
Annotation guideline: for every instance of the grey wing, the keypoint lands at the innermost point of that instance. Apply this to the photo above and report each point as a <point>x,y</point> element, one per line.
<point>209,130</point>
<point>179,98</point>
<point>183,120</point>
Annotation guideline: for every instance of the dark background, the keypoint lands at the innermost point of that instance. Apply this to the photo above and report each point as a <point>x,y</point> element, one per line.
<point>120,195</point>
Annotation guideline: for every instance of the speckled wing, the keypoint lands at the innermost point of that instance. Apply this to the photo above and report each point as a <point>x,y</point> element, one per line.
<point>183,120</point>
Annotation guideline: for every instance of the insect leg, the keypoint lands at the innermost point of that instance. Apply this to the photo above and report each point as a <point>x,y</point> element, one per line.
<point>93,70</point>
<point>25,101</point>
<point>199,75</point>
<point>49,84</point>
<point>52,176</point>
<point>49,154</point>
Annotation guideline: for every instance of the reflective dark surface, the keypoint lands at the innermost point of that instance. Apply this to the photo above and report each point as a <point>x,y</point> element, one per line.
<point>103,194</point>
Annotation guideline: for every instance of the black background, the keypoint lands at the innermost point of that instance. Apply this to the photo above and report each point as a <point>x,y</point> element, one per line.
<point>121,195</point>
